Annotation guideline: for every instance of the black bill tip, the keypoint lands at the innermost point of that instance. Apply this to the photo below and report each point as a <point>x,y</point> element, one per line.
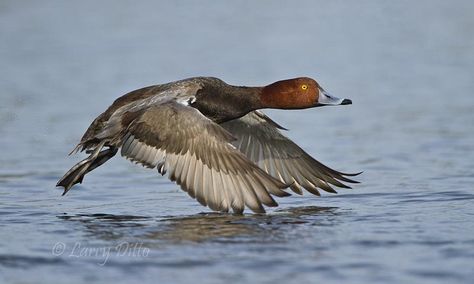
<point>346,102</point>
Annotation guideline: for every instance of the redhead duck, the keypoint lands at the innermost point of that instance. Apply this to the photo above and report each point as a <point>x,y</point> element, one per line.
<point>211,139</point>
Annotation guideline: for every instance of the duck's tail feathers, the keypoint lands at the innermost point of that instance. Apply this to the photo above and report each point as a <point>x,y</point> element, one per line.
<point>78,171</point>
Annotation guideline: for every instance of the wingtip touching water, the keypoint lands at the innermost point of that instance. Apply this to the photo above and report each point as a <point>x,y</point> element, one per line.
<point>212,140</point>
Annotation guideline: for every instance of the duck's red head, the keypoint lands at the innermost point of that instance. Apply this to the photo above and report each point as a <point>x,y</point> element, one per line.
<point>296,94</point>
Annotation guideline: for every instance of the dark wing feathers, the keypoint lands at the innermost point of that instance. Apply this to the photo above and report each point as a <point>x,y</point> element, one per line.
<point>260,140</point>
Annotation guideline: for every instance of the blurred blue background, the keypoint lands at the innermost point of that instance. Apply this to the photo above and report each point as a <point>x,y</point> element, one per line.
<point>407,66</point>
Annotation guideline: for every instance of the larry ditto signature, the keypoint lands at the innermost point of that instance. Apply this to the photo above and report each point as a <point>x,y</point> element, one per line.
<point>78,250</point>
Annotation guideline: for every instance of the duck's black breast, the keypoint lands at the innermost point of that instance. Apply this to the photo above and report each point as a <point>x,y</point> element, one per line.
<point>221,102</point>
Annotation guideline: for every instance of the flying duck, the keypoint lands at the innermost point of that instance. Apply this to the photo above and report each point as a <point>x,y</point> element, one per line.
<point>212,139</point>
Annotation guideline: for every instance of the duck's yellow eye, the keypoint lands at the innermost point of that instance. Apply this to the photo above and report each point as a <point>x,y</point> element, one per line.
<point>304,87</point>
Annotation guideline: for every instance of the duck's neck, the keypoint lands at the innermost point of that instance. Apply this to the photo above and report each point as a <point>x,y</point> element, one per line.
<point>249,98</point>
<point>228,102</point>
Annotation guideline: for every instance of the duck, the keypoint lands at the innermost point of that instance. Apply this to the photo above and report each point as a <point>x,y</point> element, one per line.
<point>213,140</point>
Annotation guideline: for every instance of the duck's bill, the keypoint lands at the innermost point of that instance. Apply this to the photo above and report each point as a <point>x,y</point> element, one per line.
<point>326,99</point>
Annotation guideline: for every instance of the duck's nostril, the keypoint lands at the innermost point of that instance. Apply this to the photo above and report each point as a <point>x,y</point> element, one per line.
<point>346,102</point>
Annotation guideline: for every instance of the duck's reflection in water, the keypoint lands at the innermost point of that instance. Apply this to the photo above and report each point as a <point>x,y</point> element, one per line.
<point>204,227</point>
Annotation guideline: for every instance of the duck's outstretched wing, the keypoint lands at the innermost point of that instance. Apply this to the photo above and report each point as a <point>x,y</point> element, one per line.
<point>260,140</point>
<point>197,153</point>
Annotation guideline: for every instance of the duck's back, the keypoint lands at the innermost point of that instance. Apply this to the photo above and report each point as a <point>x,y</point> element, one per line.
<point>182,90</point>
